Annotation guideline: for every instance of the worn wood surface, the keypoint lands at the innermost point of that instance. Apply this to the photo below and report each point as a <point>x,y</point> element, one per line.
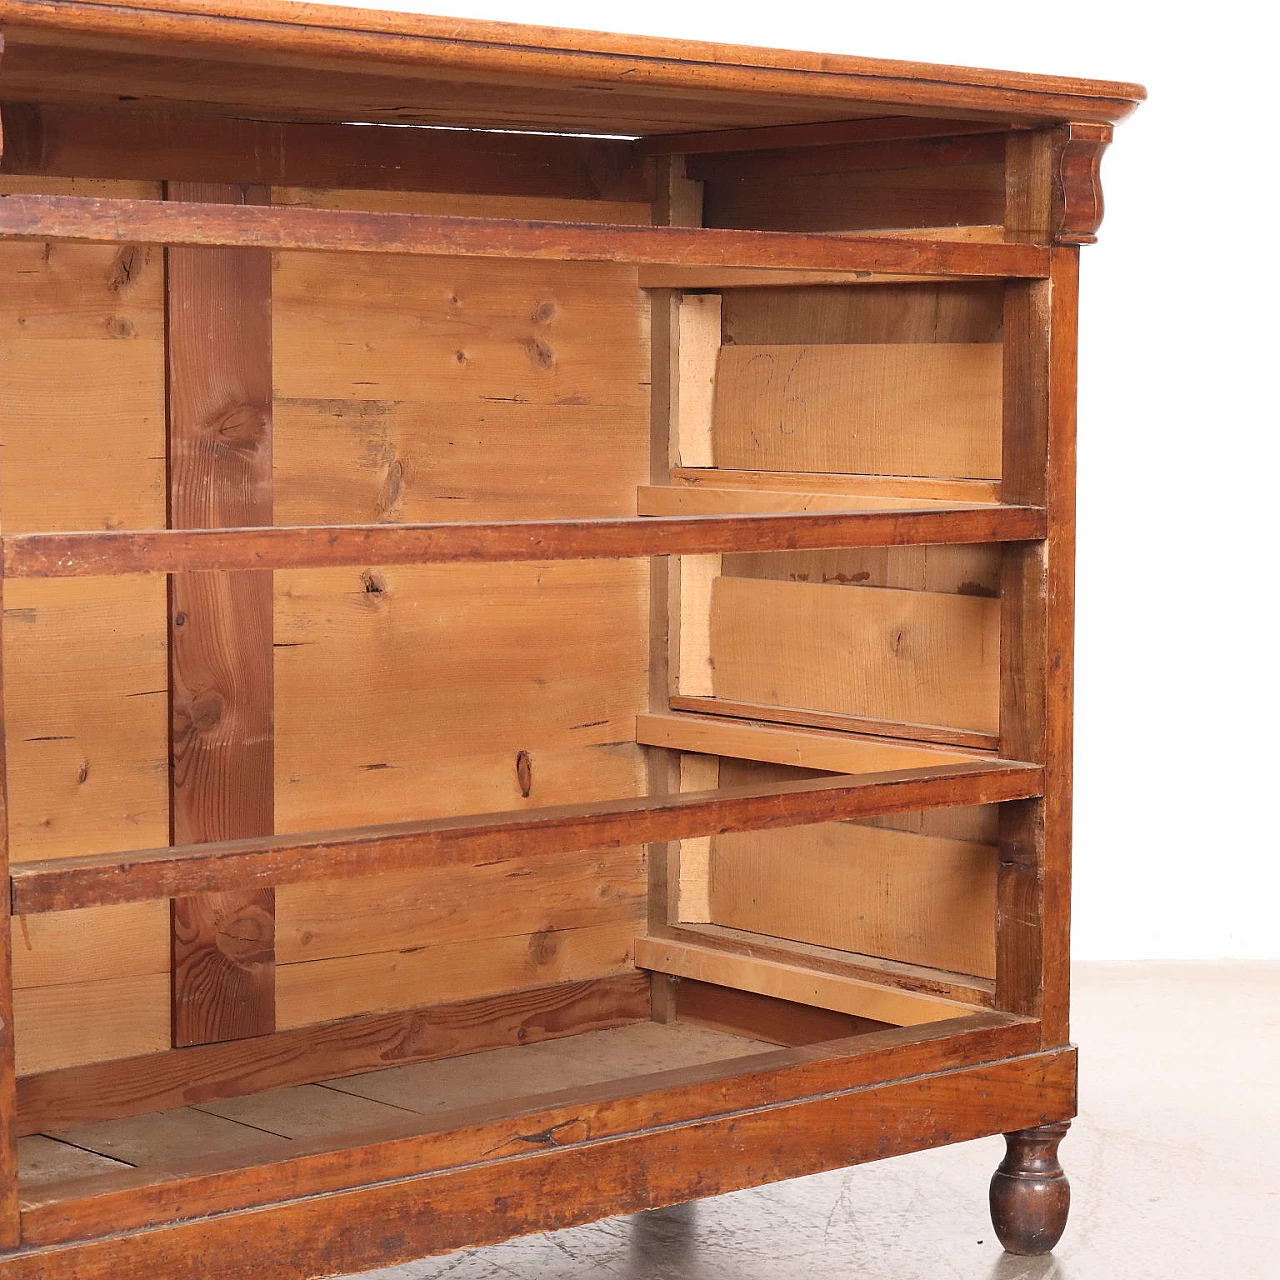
<point>912,978</point>
<point>416,68</point>
<point>941,735</point>
<point>796,983</point>
<point>10,1227</point>
<point>220,636</point>
<point>158,1082</point>
<point>598,1114</point>
<point>85,219</point>
<point>763,1017</point>
<point>1030,1194</point>
<point>117,142</point>
<point>206,550</point>
<point>61,885</point>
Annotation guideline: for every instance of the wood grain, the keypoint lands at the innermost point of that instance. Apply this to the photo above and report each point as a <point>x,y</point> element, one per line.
<point>62,555</point>
<point>10,1222</point>
<point>919,899</point>
<point>219,345</point>
<point>88,220</point>
<point>792,982</point>
<point>676,1101</point>
<point>172,872</point>
<point>160,1081</point>
<point>931,409</point>
<point>763,1017</point>
<point>912,656</point>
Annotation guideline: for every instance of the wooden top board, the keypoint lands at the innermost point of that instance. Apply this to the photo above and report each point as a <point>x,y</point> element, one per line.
<point>332,63</point>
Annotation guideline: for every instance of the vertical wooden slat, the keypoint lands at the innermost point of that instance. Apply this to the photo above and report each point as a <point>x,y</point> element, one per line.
<point>677,203</point>
<point>10,1226</point>
<point>1037,610</point>
<point>220,624</point>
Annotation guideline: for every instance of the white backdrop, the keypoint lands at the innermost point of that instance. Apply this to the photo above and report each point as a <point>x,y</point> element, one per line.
<point>1176,706</point>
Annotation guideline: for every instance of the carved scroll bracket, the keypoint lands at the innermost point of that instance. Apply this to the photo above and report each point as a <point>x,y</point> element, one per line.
<point>1077,197</point>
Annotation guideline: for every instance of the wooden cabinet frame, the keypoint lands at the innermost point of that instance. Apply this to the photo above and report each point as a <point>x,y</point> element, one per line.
<point>875,1055</point>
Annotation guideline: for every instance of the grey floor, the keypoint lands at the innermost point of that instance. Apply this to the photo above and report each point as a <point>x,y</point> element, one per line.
<point>1175,1169</point>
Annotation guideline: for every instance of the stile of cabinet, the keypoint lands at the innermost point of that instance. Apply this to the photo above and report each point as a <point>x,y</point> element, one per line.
<point>536,653</point>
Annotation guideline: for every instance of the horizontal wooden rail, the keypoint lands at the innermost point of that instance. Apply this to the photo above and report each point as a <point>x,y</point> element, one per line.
<point>797,983</point>
<point>101,221</point>
<point>69,555</point>
<point>63,884</point>
<point>714,1098</point>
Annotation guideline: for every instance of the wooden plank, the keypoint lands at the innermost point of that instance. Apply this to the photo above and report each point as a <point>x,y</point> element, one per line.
<point>43,1160</point>
<point>699,351</point>
<point>161,1081</point>
<point>10,1222</point>
<point>74,1023</point>
<point>98,943</point>
<point>215,550</point>
<point>703,500</point>
<point>918,979</point>
<point>824,134</point>
<point>688,876</point>
<point>691,637</point>
<point>88,220</point>
<point>913,656</point>
<point>1033,938</point>
<point>934,733</point>
<point>490,54</point>
<point>883,156</point>
<point>219,349</point>
<point>345,986</point>
<point>764,1017</point>
<point>118,142</point>
<point>678,1099</point>
<point>916,488</point>
<point>880,409</point>
<point>837,752</point>
<point>61,885</point>
<point>918,899</point>
<point>960,195</point>
<point>794,983</point>
<point>324,919</point>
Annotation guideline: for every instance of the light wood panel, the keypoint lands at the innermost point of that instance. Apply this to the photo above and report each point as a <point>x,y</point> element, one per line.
<point>447,674</point>
<point>397,911</point>
<point>82,382</point>
<point>324,989</point>
<point>910,656</point>
<point>419,389</point>
<point>927,409</point>
<point>792,982</point>
<point>918,899</point>
<point>79,1022</point>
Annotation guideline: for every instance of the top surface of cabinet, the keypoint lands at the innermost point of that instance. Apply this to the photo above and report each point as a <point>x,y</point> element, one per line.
<point>339,64</point>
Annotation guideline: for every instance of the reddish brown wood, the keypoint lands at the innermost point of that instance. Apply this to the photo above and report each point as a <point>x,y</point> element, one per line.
<point>220,624</point>
<point>685,1141</point>
<point>744,1013</point>
<point>116,142</point>
<point>825,134</point>
<point>545,74</point>
<point>970,739</point>
<point>9,1226</point>
<point>850,157</point>
<point>203,1073</point>
<point>62,884</point>
<point>99,221</point>
<point>1037,613</point>
<point>68,555</point>
<point>1078,206</point>
<point>1030,1194</point>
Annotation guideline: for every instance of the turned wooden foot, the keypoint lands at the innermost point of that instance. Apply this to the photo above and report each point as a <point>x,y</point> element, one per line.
<point>1030,1195</point>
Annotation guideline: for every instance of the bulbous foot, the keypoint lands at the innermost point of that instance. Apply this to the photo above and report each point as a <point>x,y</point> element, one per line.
<point>1030,1195</point>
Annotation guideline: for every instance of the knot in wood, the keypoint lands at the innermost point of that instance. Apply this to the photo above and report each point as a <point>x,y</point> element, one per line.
<point>248,937</point>
<point>242,428</point>
<point>544,946</point>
